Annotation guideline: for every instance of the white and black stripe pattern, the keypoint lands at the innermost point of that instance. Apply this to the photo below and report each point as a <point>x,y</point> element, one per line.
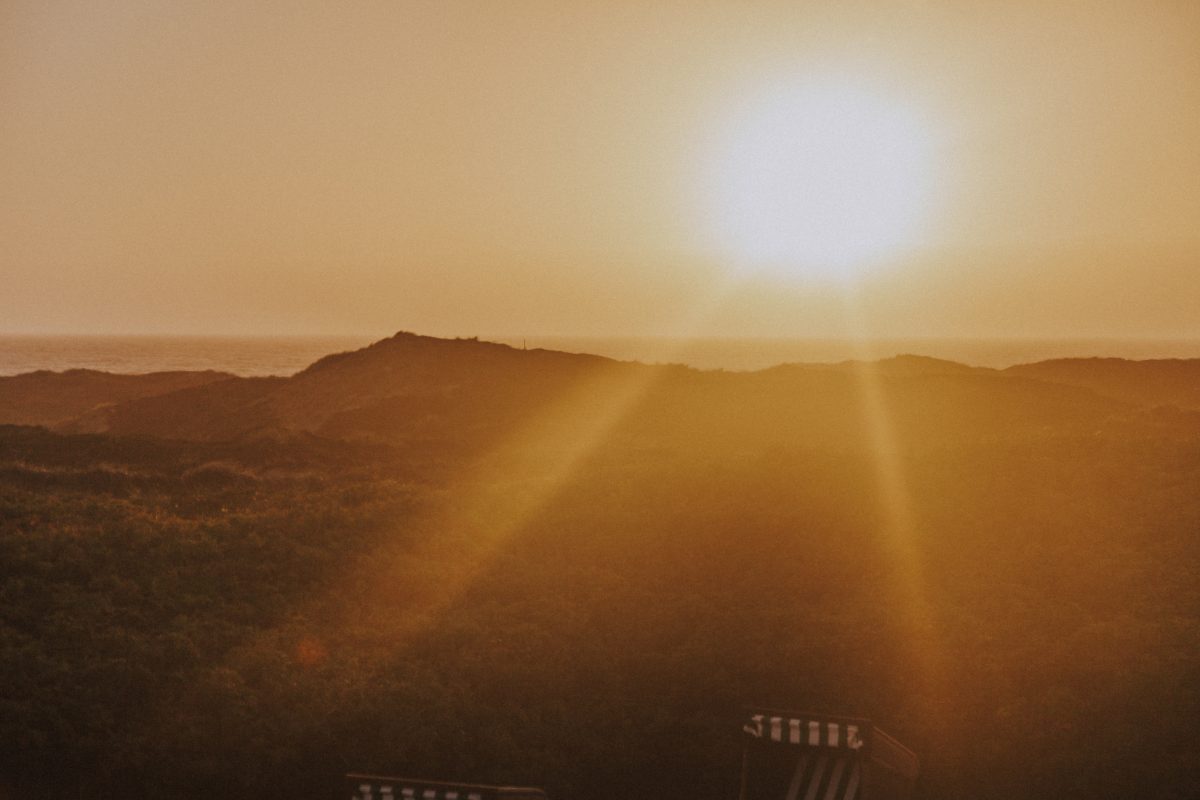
<point>825,776</point>
<point>384,787</point>
<point>810,732</point>
<point>382,790</point>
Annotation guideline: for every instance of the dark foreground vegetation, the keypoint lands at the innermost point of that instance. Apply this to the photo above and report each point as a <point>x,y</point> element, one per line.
<point>472,563</point>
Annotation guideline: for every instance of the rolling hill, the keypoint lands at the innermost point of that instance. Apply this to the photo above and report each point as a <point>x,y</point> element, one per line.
<point>455,558</point>
<point>55,398</point>
<point>410,389</point>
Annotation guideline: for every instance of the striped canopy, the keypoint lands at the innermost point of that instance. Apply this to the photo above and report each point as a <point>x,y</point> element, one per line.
<point>380,787</point>
<point>799,756</point>
<point>386,790</point>
<point>806,731</point>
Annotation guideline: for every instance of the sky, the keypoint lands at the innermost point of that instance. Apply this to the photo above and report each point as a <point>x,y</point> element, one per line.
<point>547,167</point>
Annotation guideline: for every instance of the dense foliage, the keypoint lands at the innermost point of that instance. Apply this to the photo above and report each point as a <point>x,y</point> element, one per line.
<point>254,620</point>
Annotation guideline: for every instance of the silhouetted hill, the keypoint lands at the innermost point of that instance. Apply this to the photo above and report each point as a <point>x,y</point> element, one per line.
<point>221,410</point>
<point>50,398</point>
<point>404,388</point>
<point>902,365</point>
<point>463,394</point>
<point>1157,382</point>
<point>419,386</point>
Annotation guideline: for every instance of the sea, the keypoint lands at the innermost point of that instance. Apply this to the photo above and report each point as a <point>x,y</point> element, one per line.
<point>286,355</point>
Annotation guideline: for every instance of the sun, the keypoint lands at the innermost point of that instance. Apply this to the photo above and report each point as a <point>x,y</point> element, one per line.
<point>820,181</point>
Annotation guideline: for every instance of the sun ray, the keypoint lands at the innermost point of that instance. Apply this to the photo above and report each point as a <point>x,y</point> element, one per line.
<point>402,590</point>
<point>511,483</point>
<point>899,530</point>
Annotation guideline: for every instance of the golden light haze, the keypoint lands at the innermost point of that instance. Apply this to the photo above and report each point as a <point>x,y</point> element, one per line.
<point>818,179</point>
<point>540,167</point>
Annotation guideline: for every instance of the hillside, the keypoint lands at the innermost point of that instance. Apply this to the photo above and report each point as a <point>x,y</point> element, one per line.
<point>53,398</point>
<point>402,388</point>
<point>458,559</point>
<point>464,393</point>
<point>1155,382</point>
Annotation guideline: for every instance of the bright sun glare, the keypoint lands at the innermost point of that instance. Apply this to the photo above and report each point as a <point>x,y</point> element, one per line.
<point>820,181</point>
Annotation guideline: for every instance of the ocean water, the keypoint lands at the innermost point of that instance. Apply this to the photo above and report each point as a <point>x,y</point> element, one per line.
<point>288,355</point>
<point>283,355</point>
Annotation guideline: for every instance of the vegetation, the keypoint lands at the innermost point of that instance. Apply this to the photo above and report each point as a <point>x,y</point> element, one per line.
<point>588,608</point>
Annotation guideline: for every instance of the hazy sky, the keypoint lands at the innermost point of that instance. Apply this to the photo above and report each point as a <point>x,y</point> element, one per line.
<point>540,167</point>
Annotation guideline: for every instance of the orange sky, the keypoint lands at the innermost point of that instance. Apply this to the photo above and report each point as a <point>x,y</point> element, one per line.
<point>536,167</point>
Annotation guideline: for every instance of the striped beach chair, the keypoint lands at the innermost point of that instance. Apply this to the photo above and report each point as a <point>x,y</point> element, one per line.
<point>382,787</point>
<point>796,756</point>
